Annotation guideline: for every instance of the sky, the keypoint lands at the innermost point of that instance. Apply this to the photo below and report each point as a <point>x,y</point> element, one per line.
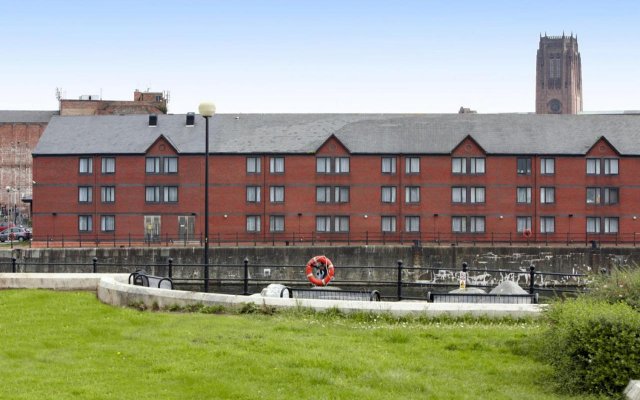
<point>308,56</point>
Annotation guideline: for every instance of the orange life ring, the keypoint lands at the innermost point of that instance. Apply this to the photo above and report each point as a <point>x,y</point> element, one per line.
<point>526,233</point>
<point>320,262</point>
<point>12,236</point>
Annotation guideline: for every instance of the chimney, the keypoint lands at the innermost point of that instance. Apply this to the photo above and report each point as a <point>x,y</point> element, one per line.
<point>153,120</point>
<point>191,117</point>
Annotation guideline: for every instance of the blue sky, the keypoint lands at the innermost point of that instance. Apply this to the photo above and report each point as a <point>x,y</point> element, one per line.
<point>313,56</point>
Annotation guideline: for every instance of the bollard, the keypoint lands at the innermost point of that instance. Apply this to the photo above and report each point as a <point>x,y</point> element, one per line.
<point>532,278</point>
<point>399,280</point>
<point>463,276</point>
<point>13,265</point>
<point>246,276</point>
<point>170,267</point>
<point>95,264</point>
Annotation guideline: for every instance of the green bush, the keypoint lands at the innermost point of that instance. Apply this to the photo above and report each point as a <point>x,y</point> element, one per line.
<point>623,284</point>
<point>593,346</point>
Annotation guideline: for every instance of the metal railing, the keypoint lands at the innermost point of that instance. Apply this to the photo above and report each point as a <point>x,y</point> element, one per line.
<point>348,238</point>
<point>396,282</point>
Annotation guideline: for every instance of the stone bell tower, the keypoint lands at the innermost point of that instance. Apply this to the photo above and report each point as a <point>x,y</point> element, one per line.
<point>558,76</point>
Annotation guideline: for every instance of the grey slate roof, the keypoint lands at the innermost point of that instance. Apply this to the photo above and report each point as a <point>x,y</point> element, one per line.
<point>8,116</point>
<point>360,133</point>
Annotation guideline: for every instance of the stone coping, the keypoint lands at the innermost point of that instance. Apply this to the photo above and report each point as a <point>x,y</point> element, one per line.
<point>632,391</point>
<point>114,289</point>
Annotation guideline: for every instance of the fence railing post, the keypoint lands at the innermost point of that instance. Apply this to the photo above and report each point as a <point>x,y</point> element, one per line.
<point>246,276</point>
<point>170,260</point>
<point>14,269</point>
<point>95,265</point>
<point>532,278</point>
<point>399,280</point>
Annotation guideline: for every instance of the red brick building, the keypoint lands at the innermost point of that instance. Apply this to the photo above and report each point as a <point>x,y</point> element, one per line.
<point>467,177</point>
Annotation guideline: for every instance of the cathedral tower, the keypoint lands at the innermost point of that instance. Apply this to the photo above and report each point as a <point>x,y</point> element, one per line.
<point>558,76</point>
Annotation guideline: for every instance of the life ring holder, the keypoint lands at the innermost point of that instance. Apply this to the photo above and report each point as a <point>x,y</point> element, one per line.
<point>526,233</point>
<point>12,236</point>
<point>320,262</point>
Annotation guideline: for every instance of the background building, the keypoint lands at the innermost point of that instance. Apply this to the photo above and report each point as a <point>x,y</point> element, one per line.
<point>344,177</point>
<point>558,76</point>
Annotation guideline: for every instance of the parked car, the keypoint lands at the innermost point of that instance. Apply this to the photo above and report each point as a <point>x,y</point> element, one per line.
<point>16,233</point>
<point>5,225</point>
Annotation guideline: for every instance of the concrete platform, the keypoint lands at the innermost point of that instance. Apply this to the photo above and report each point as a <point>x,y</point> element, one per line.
<point>114,289</point>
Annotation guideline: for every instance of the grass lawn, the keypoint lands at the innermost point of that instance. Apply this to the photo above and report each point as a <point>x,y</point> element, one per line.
<point>66,345</point>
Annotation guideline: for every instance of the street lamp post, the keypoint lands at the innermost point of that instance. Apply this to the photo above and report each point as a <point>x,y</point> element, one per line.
<point>207,110</point>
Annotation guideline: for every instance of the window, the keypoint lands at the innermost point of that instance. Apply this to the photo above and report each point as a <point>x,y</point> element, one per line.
<point>523,224</point>
<point>412,165</point>
<point>593,166</point>
<point>170,194</point>
<point>253,165</point>
<point>593,195</point>
<point>412,194</point>
<point>253,194</point>
<point>593,225</point>
<point>458,194</point>
<point>152,165</point>
<point>547,224</point>
<point>524,166</point>
<point>341,194</point>
<point>388,194</point>
<point>342,165</point>
<point>323,194</point>
<point>459,165</point>
<point>108,165</point>
<point>458,224</point>
<point>152,194</point>
<point>107,223</point>
<point>610,225</point>
<point>523,195</point>
<point>547,195</point>
<point>610,195</point>
<point>341,224</point>
<point>323,223</point>
<point>171,165</point>
<point>412,224</point>
<point>610,166</point>
<point>388,165</point>
<point>476,165</point>
<point>323,165</point>
<point>476,195</point>
<point>476,224</point>
<point>85,223</point>
<point>108,194</point>
<point>253,223</point>
<point>276,194</point>
<point>547,166</point>
<point>388,224</point>
<point>85,194</point>
<point>276,165</point>
<point>86,165</point>
<point>276,223</point>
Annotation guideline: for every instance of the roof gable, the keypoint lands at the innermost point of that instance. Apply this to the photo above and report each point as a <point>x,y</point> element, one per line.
<point>162,145</point>
<point>602,148</point>
<point>468,147</point>
<point>333,146</point>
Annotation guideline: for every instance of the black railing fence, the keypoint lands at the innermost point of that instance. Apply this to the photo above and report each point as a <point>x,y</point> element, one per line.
<point>347,238</point>
<point>394,282</point>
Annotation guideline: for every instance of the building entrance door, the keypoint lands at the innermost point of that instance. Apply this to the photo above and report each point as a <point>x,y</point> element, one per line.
<point>186,227</point>
<point>152,228</point>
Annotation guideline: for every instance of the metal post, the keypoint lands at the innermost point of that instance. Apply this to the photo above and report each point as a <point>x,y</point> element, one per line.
<point>95,264</point>
<point>206,206</point>
<point>170,267</point>
<point>246,276</point>
<point>13,265</point>
<point>532,278</point>
<point>399,280</point>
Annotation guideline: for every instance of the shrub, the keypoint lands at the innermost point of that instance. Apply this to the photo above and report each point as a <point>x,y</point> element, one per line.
<point>623,284</point>
<point>593,346</point>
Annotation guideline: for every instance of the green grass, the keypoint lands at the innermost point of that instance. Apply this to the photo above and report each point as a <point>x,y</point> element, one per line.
<point>62,345</point>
